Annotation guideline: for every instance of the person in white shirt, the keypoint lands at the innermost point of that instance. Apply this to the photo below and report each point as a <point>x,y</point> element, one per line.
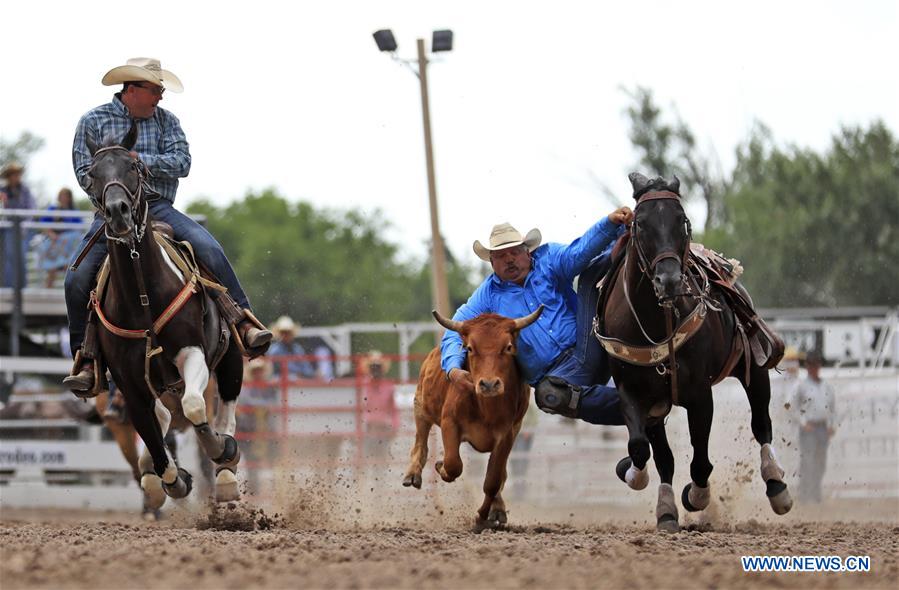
<point>813,401</point>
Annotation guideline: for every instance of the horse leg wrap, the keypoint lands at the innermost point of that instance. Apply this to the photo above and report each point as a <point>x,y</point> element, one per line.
<point>154,495</point>
<point>212,443</point>
<point>182,485</point>
<point>771,468</point>
<point>776,490</point>
<point>636,479</point>
<point>695,498</point>
<point>666,510</point>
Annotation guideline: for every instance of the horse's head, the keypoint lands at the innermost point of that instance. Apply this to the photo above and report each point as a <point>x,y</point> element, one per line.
<point>116,181</point>
<point>660,232</point>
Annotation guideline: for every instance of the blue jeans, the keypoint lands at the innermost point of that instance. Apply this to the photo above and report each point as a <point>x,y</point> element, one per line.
<point>209,252</point>
<point>587,364</point>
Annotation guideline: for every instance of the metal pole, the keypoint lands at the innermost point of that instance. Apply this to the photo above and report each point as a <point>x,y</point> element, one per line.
<point>439,289</point>
<point>18,284</point>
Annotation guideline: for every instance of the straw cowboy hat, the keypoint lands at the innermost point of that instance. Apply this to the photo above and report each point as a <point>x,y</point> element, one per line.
<point>143,69</point>
<point>375,357</point>
<point>11,168</point>
<point>506,236</point>
<point>258,364</point>
<point>285,324</point>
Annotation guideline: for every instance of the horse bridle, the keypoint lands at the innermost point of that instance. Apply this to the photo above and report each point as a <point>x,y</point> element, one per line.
<point>646,265</point>
<point>134,197</point>
<point>648,268</point>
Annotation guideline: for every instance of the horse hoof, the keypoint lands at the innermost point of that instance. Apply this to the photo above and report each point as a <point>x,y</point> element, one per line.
<point>778,496</point>
<point>226,489</point>
<point>182,485</point>
<point>230,456</point>
<point>702,501</point>
<point>637,479</point>
<point>151,515</point>
<point>413,480</point>
<point>154,495</point>
<point>667,523</point>
<point>497,517</point>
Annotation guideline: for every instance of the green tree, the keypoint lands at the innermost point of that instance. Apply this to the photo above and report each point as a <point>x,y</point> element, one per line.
<point>816,229</point>
<point>669,149</point>
<point>20,149</point>
<point>319,266</point>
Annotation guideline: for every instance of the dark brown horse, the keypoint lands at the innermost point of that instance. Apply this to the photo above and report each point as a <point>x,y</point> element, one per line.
<point>155,335</point>
<point>659,305</point>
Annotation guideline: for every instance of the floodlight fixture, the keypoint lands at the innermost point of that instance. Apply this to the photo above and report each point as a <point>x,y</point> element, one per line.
<point>442,40</point>
<point>385,40</point>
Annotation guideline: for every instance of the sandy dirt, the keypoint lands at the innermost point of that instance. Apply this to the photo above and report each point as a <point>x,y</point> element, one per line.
<point>301,547</point>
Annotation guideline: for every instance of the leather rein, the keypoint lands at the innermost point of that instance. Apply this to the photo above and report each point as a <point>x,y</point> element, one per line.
<point>658,353</point>
<point>132,241</point>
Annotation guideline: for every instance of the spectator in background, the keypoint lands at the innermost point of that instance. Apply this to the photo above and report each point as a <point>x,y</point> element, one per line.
<point>258,398</point>
<point>379,412</point>
<point>324,364</point>
<point>58,248</point>
<point>13,195</point>
<point>814,402</point>
<point>286,345</point>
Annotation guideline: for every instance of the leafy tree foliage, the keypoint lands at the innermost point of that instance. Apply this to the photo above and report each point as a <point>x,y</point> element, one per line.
<point>669,149</point>
<point>812,229</point>
<point>816,229</point>
<point>321,267</point>
<point>21,149</point>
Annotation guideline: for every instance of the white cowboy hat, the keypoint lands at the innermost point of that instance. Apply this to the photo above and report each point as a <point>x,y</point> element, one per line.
<point>506,236</point>
<point>285,324</point>
<point>143,68</point>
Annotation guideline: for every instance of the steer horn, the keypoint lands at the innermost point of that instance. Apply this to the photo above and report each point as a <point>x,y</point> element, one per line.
<point>448,324</point>
<point>522,323</point>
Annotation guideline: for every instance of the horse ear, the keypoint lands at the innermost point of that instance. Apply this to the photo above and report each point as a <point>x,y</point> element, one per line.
<point>674,185</point>
<point>131,138</point>
<point>638,182</point>
<point>91,146</point>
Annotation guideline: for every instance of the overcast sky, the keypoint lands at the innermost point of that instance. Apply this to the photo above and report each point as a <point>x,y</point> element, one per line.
<point>526,109</point>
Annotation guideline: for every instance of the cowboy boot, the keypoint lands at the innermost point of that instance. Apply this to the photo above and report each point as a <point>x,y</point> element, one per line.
<point>253,335</point>
<point>81,381</point>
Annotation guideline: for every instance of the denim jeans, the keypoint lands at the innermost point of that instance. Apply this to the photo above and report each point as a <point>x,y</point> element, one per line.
<point>587,364</point>
<point>209,252</point>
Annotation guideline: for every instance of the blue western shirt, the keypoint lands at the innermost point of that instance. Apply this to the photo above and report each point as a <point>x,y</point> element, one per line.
<point>553,269</point>
<point>161,145</point>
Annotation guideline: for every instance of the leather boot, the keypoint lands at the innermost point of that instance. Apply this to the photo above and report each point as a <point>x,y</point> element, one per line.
<point>81,381</point>
<point>253,338</point>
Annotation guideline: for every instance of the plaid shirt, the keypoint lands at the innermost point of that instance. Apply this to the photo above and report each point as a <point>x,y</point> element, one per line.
<point>161,145</point>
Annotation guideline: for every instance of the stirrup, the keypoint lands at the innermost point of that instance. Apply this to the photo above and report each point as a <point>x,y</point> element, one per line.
<point>83,379</point>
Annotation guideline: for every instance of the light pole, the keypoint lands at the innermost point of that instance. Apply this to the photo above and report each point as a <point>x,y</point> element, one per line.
<point>441,41</point>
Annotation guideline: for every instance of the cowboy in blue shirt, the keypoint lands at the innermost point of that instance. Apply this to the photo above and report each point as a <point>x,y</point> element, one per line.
<point>557,354</point>
<point>162,147</point>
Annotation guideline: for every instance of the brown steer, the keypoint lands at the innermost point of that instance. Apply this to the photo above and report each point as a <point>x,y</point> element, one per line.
<point>488,417</point>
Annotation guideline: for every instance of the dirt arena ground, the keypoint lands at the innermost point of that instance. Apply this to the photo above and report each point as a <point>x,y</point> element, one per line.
<point>575,547</point>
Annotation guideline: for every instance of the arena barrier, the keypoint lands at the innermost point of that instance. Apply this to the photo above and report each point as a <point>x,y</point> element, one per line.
<point>308,430</point>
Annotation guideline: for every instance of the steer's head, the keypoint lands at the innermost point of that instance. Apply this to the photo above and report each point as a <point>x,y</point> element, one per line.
<point>491,342</point>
